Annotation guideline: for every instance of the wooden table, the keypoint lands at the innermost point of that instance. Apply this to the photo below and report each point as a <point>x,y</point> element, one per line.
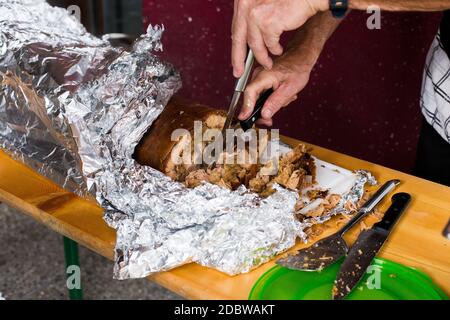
<point>417,241</point>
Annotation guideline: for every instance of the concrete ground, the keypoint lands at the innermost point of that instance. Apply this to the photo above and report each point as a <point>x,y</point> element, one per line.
<point>32,266</point>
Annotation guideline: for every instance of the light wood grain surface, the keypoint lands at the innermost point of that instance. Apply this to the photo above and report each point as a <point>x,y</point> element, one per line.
<point>417,240</point>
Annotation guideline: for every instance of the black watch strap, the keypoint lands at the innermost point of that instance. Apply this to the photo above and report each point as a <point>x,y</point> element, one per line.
<point>338,8</point>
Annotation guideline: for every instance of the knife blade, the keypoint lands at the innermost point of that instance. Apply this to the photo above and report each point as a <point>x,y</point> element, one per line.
<point>239,88</point>
<point>366,247</point>
<point>332,248</point>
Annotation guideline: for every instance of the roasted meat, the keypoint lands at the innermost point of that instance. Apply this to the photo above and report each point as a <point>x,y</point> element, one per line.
<point>157,149</point>
<point>294,170</point>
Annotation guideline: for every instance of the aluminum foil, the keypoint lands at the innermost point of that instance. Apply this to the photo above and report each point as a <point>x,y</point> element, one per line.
<point>74,108</point>
<point>354,195</point>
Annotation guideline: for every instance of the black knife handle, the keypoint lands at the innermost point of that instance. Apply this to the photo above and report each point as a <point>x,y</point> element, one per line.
<point>256,114</point>
<point>400,202</point>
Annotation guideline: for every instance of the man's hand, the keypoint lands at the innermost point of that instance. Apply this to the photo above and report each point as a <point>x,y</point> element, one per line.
<point>260,23</point>
<point>291,71</point>
<point>287,77</point>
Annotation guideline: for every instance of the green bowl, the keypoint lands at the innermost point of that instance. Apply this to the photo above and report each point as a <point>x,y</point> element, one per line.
<point>394,282</point>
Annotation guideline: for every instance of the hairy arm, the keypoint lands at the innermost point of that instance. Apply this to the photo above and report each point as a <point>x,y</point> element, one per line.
<point>260,23</point>
<point>313,35</point>
<point>401,5</point>
<point>291,71</point>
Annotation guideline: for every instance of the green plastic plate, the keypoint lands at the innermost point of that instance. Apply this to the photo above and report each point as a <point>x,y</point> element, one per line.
<point>387,280</point>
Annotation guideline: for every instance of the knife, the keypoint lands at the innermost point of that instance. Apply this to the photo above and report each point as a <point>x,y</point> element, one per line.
<point>332,248</point>
<point>241,84</point>
<point>239,88</point>
<point>256,114</point>
<point>367,246</point>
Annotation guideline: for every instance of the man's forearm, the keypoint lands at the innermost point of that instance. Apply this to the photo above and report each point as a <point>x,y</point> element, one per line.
<point>313,35</point>
<point>401,5</point>
<point>310,39</point>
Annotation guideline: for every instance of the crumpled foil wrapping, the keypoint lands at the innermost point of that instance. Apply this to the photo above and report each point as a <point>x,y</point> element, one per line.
<point>73,108</point>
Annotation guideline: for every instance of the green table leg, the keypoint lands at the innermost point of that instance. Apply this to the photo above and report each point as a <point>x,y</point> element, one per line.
<point>73,269</point>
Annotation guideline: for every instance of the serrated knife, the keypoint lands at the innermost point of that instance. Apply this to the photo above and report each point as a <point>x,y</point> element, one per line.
<point>367,246</point>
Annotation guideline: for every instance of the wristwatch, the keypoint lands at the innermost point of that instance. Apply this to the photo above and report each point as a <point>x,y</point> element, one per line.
<point>338,8</point>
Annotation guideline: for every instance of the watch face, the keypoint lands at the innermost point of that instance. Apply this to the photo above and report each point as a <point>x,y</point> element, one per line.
<point>338,8</point>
